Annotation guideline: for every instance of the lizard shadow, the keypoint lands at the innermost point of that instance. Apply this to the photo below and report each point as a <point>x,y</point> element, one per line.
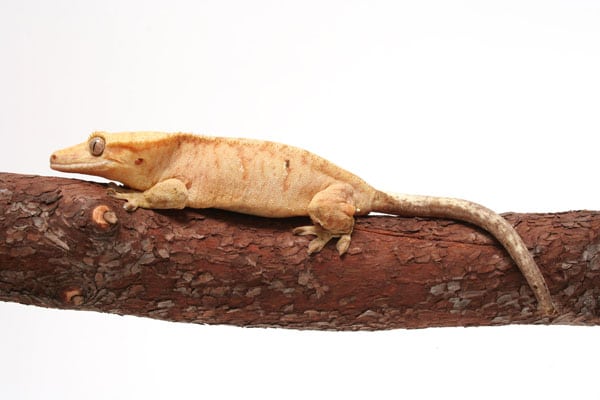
<point>231,218</point>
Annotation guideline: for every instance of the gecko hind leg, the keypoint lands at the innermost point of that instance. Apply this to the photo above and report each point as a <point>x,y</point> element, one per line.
<point>332,212</point>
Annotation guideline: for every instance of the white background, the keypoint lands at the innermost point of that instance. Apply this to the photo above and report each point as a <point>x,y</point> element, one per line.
<point>497,102</point>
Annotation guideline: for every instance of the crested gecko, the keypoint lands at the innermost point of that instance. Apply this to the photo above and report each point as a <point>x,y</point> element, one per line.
<point>269,180</point>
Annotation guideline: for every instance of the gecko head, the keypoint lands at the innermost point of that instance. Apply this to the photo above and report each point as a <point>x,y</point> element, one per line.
<point>125,157</point>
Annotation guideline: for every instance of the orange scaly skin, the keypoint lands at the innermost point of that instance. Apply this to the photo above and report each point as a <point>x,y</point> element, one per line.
<point>269,180</point>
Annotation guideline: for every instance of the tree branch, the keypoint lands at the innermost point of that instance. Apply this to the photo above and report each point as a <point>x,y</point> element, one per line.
<point>66,244</point>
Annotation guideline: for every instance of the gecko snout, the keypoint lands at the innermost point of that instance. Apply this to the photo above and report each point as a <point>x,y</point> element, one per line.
<point>54,160</point>
<point>57,162</point>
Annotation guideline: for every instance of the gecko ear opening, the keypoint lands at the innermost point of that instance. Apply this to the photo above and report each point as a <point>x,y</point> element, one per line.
<point>97,145</point>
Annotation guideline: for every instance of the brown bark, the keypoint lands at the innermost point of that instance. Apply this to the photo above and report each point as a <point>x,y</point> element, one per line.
<point>66,244</point>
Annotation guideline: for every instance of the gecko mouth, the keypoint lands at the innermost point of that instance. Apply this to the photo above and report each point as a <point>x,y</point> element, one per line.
<point>77,166</point>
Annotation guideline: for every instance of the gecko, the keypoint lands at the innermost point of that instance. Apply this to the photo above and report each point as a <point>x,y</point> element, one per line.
<point>268,179</point>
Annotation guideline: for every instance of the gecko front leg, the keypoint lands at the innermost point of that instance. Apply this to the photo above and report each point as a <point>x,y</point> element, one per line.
<point>170,193</point>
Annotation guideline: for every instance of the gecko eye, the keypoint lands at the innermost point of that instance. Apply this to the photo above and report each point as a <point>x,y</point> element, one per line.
<point>97,145</point>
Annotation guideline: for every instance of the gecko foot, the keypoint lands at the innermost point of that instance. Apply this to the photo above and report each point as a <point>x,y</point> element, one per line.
<point>322,238</point>
<point>119,192</point>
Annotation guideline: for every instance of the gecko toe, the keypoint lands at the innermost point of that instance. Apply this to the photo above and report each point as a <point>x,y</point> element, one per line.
<point>305,230</point>
<point>316,245</point>
<point>130,206</point>
<point>343,244</point>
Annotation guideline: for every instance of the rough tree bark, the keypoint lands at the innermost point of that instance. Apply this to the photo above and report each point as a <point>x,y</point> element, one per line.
<point>65,244</point>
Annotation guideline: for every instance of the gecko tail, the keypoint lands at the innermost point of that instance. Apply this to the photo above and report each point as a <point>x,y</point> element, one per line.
<point>476,214</point>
